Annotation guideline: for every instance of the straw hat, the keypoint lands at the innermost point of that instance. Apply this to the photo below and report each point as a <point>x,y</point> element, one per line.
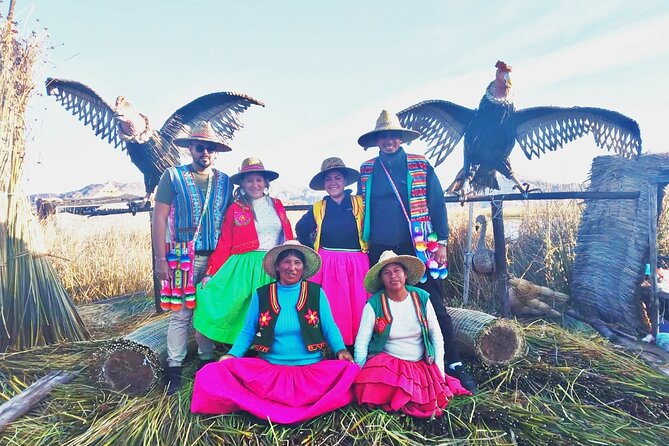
<point>414,266</point>
<point>253,165</point>
<point>317,182</point>
<point>387,122</point>
<point>203,132</point>
<point>312,261</point>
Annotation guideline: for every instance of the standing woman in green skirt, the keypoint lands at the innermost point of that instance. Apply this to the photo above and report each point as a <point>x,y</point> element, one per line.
<point>253,224</point>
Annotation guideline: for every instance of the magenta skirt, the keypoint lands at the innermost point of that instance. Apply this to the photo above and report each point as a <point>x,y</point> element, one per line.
<point>414,388</point>
<point>342,277</point>
<point>282,394</point>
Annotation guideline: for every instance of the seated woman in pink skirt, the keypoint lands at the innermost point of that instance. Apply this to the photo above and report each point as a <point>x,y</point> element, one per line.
<point>289,324</point>
<point>399,344</point>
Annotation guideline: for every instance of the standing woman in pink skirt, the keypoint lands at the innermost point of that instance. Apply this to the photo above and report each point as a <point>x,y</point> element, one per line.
<point>289,324</point>
<point>334,227</point>
<point>400,345</point>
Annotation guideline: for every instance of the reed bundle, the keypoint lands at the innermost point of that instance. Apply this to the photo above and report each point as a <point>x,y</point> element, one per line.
<point>35,309</point>
<point>487,338</point>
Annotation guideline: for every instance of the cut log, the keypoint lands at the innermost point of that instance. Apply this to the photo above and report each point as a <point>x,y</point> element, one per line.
<point>21,404</point>
<point>133,363</point>
<point>483,336</point>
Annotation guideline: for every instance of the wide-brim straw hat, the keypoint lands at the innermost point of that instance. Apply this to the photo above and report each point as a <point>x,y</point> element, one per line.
<point>312,261</point>
<point>253,165</point>
<point>387,122</point>
<point>334,163</point>
<point>203,132</point>
<point>414,266</point>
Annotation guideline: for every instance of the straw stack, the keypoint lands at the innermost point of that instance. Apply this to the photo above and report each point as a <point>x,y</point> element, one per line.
<point>36,309</point>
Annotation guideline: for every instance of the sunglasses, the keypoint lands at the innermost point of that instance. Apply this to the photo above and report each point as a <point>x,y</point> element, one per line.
<point>201,148</point>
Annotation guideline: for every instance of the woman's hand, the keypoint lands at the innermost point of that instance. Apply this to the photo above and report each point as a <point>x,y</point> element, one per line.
<point>206,278</point>
<point>224,357</point>
<point>344,355</point>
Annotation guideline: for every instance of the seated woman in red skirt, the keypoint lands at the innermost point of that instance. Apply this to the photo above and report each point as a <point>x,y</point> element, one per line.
<point>289,323</point>
<point>399,344</point>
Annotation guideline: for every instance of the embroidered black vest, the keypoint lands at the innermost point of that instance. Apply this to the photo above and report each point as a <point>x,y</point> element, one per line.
<point>308,307</point>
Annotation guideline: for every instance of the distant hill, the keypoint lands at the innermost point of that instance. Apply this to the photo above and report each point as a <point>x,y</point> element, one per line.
<point>287,193</point>
<point>108,189</point>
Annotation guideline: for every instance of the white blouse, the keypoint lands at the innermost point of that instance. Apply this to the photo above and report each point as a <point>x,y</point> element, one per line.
<point>268,225</point>
<point>405,340</point>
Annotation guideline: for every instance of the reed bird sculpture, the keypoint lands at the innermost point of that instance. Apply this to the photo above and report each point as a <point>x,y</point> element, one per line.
<point>152,151</point>
<point>492,130</point>
<point>483,259</point>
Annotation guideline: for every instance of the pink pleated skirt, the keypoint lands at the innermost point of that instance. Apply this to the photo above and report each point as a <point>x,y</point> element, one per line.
<point>342,277</point>
<point>282,394</point>
<point>412,387</point>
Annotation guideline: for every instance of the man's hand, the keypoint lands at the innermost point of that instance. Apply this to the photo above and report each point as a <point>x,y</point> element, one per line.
<point>224,357</point>
<point>162,270</point>
<point>206,278</point>
<point>441,256</point>
<point>344,355</point>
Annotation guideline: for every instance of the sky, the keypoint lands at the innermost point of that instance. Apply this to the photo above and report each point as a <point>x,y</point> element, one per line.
<point>325,70</point>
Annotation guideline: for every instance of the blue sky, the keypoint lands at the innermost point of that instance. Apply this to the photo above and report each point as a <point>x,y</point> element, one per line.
<point>326,69</point>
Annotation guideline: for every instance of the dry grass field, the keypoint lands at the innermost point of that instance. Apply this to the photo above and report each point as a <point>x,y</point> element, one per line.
<point>101,257</point>
<point>107,256</point>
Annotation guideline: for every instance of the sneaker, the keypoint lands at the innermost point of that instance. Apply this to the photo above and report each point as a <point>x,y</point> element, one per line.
<point>464,378</point>
<point>172,379</point>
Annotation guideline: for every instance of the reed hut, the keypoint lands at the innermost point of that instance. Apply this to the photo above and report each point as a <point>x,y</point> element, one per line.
<point>34,307</point>
<point>613,241</point>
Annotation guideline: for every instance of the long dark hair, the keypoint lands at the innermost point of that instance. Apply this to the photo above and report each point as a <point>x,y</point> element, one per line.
<point>240,195</point>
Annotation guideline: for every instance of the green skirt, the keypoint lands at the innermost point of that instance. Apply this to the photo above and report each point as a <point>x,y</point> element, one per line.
<point>222,306</point>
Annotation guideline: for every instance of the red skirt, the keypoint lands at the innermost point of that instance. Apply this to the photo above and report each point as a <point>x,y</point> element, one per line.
<point>413,387</point>
<point>283,394</point>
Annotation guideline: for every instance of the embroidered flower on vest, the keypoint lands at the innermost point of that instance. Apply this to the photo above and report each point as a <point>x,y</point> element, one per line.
<point>380,325</point>
<point>312,317</point>
<point>264,319</point>
<point>241,218</point>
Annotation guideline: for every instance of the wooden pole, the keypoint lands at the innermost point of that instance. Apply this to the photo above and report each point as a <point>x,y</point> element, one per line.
<point>468,256</point>
<point>585,195</point>
<point>156,282</point>
<point>496,208</point>
<point>20,404</point>
<point>653,311</point>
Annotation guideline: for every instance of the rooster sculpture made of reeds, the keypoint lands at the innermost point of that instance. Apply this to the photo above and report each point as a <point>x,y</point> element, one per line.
<point>123,126</point>
<point>493,129</point>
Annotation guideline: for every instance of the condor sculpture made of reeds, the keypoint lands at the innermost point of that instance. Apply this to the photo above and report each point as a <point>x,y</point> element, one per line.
<point>150,150</point>
<point>493,129</point>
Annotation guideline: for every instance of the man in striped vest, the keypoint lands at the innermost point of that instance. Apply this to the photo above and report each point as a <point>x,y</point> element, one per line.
<point>405,213</point>
<point>190,201</point>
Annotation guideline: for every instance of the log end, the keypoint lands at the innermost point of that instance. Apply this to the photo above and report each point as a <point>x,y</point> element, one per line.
<point>501,342</point>
<point>128,371</point>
